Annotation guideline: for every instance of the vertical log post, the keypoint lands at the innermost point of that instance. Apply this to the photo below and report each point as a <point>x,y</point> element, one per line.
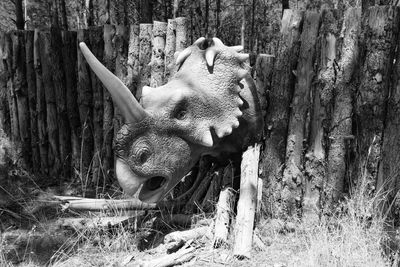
<point>108,112</point>
<point>40,104</point>
<point>293,176</point>
<point>85,104</point>
<point>51,106</point>
<point>31,82</point>
<point>277,115</point>
<point>21,91</point>
<point>121,50</point>
<point>133,58</point>
<point>170,44</point>
<point>59,83</point>
<point>341,122</point>
<point>380,32</point>
<point>158,54</point>
<point>246,207</point>
<point>181,41</point>
<point>4,107</point>
<point>144,56</point>
<point>97,45</point>
<point>69,54</point>
<point>322,99</point>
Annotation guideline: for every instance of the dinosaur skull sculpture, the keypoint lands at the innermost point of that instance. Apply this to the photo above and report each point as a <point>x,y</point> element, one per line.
<point>210,106</point>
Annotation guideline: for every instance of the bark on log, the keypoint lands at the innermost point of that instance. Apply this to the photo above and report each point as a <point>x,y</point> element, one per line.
<point>380,35</point>
<point>69,54</point>
<point>389,172</point>
<point>59,83</point>
<point>5,122</point>
<point>145,33</point>
<point>40,105</point>
<point>108,113</point>
<point>51,107</point>
<point>97,48</point>
<point>222,217</point>
<point>247,203</point>
<point>121,50</point>
<point>170,44</point>
<point>181,256</point>
<point>293,176</point>
<point>133,58</point>
<point>322,93</point>
<point>31,83</point>
<point>85,103</point>
<point>12,100</point>
<point>181,41</point>
<point>277,115</point>
<point>21,91</point>
<point>341,123</point>
<point>263,77</point>
<point>158,56</point>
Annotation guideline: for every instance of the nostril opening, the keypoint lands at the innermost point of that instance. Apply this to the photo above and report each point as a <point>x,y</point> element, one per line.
<point>154,183</point>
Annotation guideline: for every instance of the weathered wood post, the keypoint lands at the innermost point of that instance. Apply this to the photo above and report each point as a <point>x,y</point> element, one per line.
<point>144,56</point>
<point>246,207</point>
<point>158,54</point>
<point>170,44</point>
<point>4,107</point>
<point>277,115</point>
<point>133,59</point>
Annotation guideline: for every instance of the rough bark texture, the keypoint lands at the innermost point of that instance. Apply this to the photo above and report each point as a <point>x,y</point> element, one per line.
<point>51,106</point>
<point>60,89</point>
<point>85,104</point>
<point>144,56</point>
<point>108,113</point>
<point>322,93</point>
<point>340,129</point>
<point>97,48</point>
<point>380,33</point>
<point>263,77</point>
<point>277,115</point>
<point>133,59</point>
<point>21,91</point>
<point>121,48</point>
<point>31,83</point>
<point>69,54</point>
<point>389,173</point>
<point>40,105</point>
<point>181,41</point>
<point>5,122</point>
<point>170,44</point>
<point>293,176</point>
<point>158,54</point>
<point>247,202</point>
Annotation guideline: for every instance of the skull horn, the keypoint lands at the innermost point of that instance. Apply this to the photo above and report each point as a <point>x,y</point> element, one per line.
<point>123,98</point>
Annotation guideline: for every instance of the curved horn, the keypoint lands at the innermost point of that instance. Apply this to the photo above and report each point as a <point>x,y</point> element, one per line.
<point>123,98</point>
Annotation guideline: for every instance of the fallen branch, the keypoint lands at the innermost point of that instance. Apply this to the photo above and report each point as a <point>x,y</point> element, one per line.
<point>247,203</point>
<point>187,235</point>
<point>183,255</point>
<point>104,204</point>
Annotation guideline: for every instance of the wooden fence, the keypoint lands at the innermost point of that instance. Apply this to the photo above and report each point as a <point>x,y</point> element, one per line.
<point>56,108</point>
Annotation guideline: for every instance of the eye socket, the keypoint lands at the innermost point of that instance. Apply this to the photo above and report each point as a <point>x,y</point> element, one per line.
<point>181,114</point>
<point>142,155</point>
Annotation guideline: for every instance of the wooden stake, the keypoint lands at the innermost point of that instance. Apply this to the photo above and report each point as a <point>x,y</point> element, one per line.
<point>158,56</point>
<point>222,218</point>
<point>170,43</point>
<point>145,34</point>
<point>247,203</point>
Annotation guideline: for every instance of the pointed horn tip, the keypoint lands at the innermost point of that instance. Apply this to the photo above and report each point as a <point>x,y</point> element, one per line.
<point>82,45</point>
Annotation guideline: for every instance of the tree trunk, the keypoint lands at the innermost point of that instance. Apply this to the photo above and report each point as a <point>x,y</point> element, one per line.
<point>146,11</point>
<point>121,49</point>
<point>85,103</point>
<point>322,92</point>
<point>341,123</point>
<point>181,40</point>
<point>97,48</point>
<point>31,82</point>
<point>63,15</point>
<point>293,176</point>
<point>133,59</point>
<point>380,33</point>
<point>19,15</point>
<point>5,122</point>
<point>69,54</point>
<point>108,113</point>
<point>60,89</point>
<point>40,105</point>
<point>158,54</point>
<point>51,106</point>
<point>21,90</point>
<point>170,44</point>
<point>277,115</point>
<point>145,39</point>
